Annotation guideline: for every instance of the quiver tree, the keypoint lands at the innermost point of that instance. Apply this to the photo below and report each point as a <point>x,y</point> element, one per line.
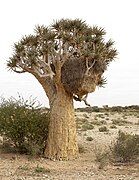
<point>68,58</point>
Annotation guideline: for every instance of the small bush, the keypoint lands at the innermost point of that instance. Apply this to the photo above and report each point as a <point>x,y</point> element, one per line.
<point>98,122</point>
<point>106,114</point>
<point>116,109</point>
<point>81,120</point>
<point>103,129</point>
<point>40,169</point>
<point>24,125</point>
<point>24,167</point>
<point>7,147</point>
<point>113,127</point>
<point>103,122</point>
<point>81,149</point>
<point>100,115</point>
<point>120,122</point>
<point>87,109</point>
<point>96,109</point>
<point>126,148</point>
<point>87,126</point>
<point>137,123</point>
<point>102,157</point>
<point>89,138</point>
<point>85,116</point>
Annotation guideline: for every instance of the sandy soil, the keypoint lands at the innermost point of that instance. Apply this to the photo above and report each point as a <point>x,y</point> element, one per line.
<point>85,167</point>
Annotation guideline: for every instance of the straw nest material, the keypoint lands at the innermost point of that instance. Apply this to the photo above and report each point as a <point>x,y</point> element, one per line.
<point>75,79</point>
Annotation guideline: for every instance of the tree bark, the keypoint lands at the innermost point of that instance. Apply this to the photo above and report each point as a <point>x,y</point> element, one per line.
<point>62,141</point>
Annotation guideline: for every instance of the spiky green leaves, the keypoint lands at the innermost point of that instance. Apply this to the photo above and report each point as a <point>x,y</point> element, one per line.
<point>102,81</point>
<point>69,25</point>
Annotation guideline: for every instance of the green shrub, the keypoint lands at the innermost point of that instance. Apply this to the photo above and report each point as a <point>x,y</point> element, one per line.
<point>24,167</point>
<point>24,125</point>
<point>87,126</point>
<point>103,129</point>
<point>126,148</point>
<point>40,169</point>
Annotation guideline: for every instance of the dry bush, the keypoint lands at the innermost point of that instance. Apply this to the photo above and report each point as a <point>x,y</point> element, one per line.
<point>120,122</point>
<point>126,148</point>
<point>103,129</point>
<point>102,156</point>
<point>89,138</point>
<point>82,149</point>
<point>87,126</point>
<point>113,126</point>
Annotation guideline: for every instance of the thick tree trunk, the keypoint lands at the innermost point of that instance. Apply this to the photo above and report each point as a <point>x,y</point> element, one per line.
<point>62,142</point>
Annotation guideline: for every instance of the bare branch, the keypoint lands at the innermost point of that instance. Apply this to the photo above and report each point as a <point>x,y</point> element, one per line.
<point>24,67</point>
<point>42,67</point>
<point>89,67</point>
<point>18,71</point>
<point>83,98</point>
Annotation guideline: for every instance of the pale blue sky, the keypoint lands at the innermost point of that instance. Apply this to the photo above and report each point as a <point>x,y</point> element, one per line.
<point>120,20</point>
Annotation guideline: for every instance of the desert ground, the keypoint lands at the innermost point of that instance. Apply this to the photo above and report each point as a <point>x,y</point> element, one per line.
<point>92,164</point>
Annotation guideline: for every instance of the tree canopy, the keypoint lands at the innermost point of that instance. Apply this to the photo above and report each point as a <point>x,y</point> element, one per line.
<point>69,52</point>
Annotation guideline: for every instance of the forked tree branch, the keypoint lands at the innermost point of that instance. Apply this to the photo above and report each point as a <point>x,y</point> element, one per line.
<point>45,80</point>
<point>89,67</point>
